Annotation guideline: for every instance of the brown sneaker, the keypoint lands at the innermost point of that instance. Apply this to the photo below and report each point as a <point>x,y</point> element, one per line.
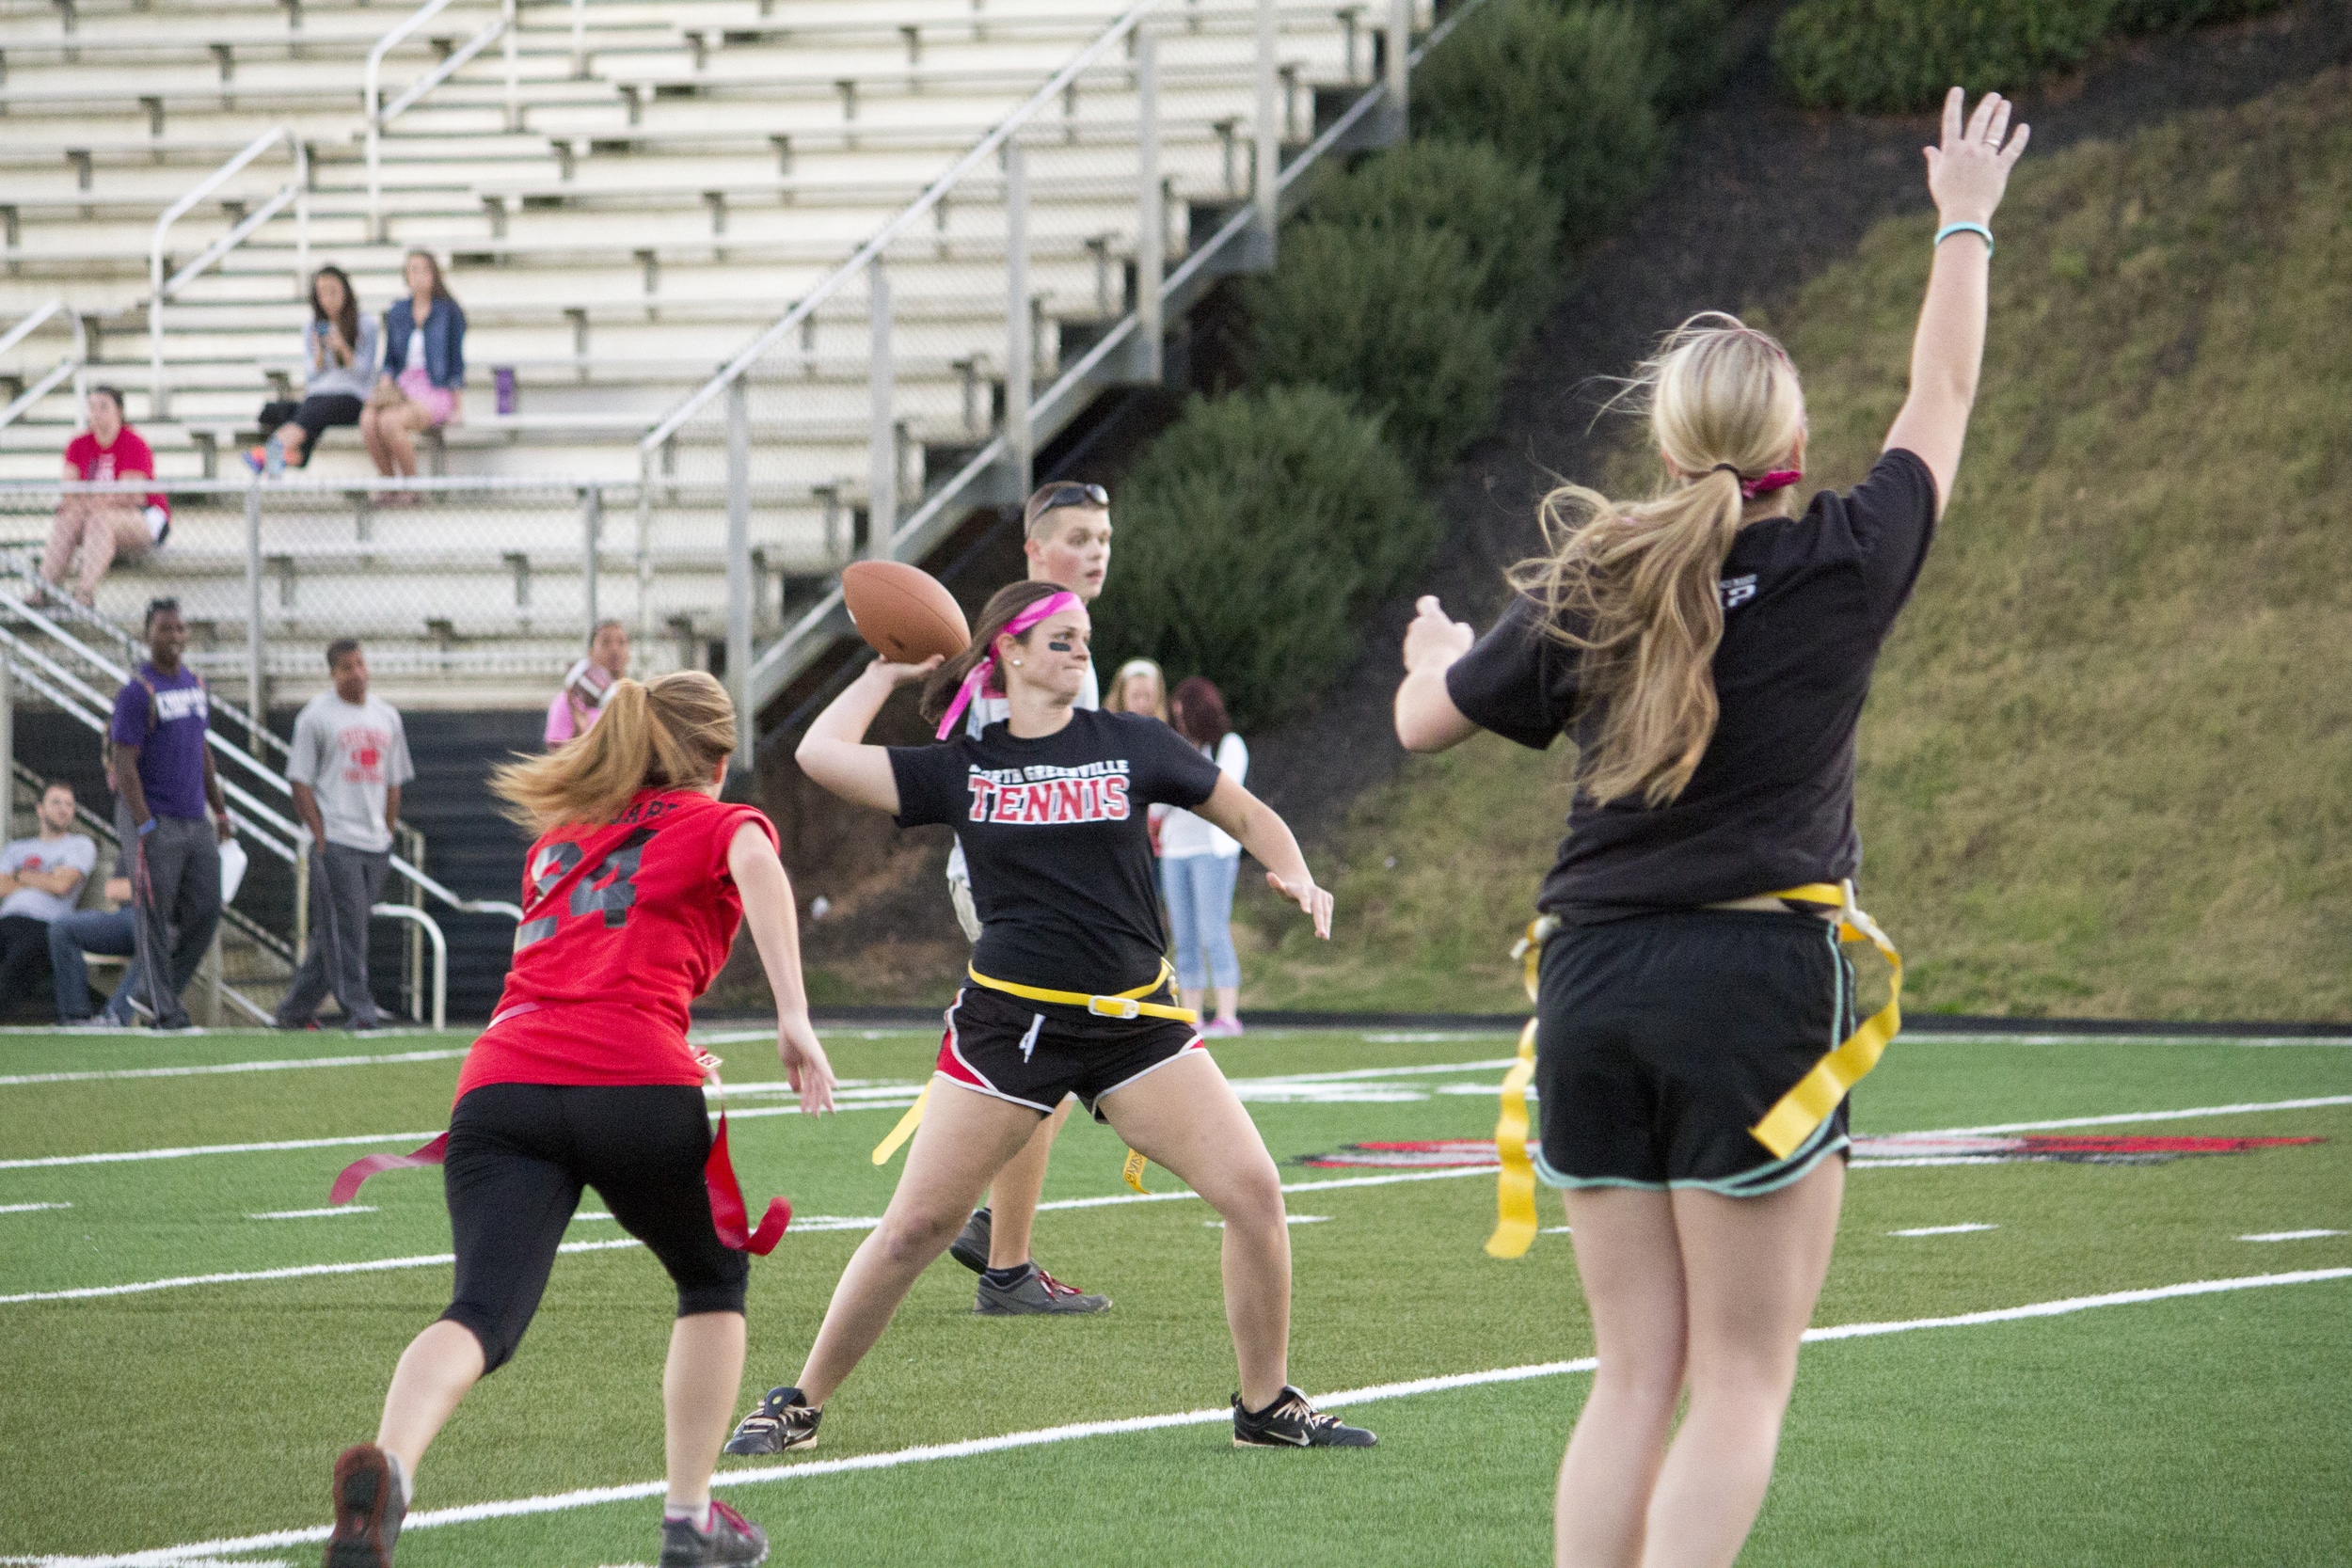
<point>368,1510</point>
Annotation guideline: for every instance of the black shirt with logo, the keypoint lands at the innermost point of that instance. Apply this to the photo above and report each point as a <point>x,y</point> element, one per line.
<point>1807,601</point>
<point>1054,832</point>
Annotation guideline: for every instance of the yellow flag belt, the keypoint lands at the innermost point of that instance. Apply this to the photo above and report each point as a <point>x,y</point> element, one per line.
<point>1125,1004</point>
<point>1785,1126</point>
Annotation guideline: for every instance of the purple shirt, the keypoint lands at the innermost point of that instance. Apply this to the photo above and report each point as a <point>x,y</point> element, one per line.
<point>171,751</point>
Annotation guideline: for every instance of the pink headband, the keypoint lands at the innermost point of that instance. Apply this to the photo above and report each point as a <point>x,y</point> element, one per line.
<point>976,682</point>
<point>1779,479</point>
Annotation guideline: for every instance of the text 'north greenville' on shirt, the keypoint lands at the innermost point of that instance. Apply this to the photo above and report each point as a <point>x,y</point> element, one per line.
<point>1053,833</point>
<point>1806,600</point>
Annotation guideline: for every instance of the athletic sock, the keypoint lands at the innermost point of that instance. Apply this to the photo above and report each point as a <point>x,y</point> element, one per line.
<point>696,1514</point>
<point>400,1474</point>
<point>1006,1278</point>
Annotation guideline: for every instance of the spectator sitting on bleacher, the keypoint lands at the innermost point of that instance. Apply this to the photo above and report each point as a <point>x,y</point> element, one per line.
<point>425,369</point>
<point>111,932</point>
<point>38,880</point>
<point>580,704</point>
<point>338,368</point>
<point>102,526</point>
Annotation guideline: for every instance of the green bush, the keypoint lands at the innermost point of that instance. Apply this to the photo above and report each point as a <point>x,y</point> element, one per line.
<point>1907,54</point>
<point>1563,90</point>
<point>1506,218</point>
<point>1690,46</point>
<point>1389,317</point>
<point>1252,538</point>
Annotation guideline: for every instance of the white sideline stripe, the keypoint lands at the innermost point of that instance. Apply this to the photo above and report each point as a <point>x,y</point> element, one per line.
<point>28,1209</point>
<point>180,1556</point>
<point>2312,1104</point>
<point>808,1223</point>
<point>191,1151</point>
<point>314,1214</point>
<point>1942,1230</point>
<point>379,1265</point>
<point>2289,1235</point>
<point>16,1080</point>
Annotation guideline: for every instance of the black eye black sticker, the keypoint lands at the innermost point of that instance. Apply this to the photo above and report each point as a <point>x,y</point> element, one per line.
<point>1059,647</point>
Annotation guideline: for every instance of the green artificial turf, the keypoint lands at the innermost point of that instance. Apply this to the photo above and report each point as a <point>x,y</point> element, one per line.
<point>2133,1434</point>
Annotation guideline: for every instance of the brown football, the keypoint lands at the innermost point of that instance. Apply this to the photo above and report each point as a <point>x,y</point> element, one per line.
<point>902,611</point>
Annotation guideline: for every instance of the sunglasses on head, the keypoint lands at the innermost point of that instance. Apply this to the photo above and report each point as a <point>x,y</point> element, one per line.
<point>1073,495</point>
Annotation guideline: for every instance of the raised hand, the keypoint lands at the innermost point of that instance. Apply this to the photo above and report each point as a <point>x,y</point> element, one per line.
<point>1315,901</point>
<point>1967,174</point>
<point>1434,637</point>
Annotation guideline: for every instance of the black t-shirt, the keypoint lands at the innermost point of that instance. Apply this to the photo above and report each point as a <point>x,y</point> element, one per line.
<point>1807,601</point>
<point>1055,833</point>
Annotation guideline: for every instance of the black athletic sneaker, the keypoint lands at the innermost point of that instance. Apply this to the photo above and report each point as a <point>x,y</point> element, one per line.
<point>969,1247</point>
<point>1035,1293</point>
<point>368,1510</point>
<point>731,1539</point>
<point>1291,1422</point>
<point>781,1423</point>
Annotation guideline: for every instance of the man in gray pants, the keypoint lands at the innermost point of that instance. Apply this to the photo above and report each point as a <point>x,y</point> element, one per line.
<point>350,756</point>
<point>163,784</point>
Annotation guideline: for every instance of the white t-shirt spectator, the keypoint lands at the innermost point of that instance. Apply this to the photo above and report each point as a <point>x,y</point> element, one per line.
<point>1183,834</point>
<point>351,757</point>
<point>34,856</point>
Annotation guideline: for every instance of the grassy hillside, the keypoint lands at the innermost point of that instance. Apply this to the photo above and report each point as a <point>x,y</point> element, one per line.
<point>2105,770</point>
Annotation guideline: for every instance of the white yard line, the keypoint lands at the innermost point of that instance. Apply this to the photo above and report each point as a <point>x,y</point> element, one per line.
<point>292,1065</point>
<point>314,1213</point>
<point>132,1155</point>
<point>2289,1235</point>
<point>1942,1230</point>
<point>379,1265</point>
<point>30,1207</point>
<point>185,1555</point>
<point>2239,1110</point>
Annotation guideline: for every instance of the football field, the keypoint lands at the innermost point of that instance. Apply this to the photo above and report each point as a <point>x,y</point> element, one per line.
<point>2091,1303</point>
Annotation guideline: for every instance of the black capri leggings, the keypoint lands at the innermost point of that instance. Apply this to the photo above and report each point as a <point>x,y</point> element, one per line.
<point>315,415</point>
<point>519,1155</point>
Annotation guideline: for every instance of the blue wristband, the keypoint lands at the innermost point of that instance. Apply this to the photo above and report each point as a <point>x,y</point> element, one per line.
<point>147,827</point>
<point>1950,228</point>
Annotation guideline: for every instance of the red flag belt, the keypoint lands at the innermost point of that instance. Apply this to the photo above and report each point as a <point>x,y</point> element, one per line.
<point>728,1215</point>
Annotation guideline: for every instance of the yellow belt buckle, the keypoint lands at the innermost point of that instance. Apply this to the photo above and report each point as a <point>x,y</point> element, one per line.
<point>1114,1007</point>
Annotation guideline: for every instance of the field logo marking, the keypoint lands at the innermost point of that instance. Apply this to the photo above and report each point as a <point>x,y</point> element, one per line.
<point>188,1556</point>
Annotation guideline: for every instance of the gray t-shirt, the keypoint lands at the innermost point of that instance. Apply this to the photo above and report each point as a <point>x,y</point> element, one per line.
<point>38,855</point>
<point>350,757</point>
<point>327,378</point>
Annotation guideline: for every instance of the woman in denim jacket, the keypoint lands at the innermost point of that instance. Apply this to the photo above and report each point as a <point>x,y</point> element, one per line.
<point>425,369</point>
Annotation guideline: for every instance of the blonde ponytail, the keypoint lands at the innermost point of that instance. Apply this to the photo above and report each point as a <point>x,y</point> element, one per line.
<point>671,732</point>
<point>1633,586</point>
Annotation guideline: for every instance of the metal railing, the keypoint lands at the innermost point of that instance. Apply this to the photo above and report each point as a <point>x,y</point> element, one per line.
<point>996,468</point>
<point>381,113</point>
<point>160,289</point>
<point>71,365</point>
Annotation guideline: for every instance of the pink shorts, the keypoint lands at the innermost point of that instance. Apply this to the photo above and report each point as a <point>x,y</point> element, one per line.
<point>435,400</point>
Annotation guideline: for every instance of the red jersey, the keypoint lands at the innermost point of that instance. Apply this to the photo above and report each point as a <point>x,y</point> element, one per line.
<point>130,454</point>
<point>624,925</point>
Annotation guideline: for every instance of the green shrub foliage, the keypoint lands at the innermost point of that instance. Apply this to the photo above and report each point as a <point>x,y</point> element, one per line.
<point>1690,48</point>
<point>1563,90</point>
<point>1252,538</point>
<point>1506,219</point>
<point>1907,54</point>
<point>1389,317</point>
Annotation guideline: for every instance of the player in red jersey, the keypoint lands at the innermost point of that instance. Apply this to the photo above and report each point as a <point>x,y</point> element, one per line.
<point>632,895</point>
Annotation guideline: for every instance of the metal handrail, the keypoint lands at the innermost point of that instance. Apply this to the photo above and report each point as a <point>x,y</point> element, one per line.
<point>833,281</point>
<point>297,192</point>
<point>70,366</point>
<point>70,693</point>
<point>440,956</point>
<point>380,114</point>
<point>788,654</point>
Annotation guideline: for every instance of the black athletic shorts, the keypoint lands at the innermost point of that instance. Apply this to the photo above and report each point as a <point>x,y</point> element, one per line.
<point>1662,1039</point>
<point>519,1155</point>
<point>1033,1054</point>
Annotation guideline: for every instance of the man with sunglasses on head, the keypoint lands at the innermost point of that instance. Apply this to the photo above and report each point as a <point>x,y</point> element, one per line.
<point>1066,538</point>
